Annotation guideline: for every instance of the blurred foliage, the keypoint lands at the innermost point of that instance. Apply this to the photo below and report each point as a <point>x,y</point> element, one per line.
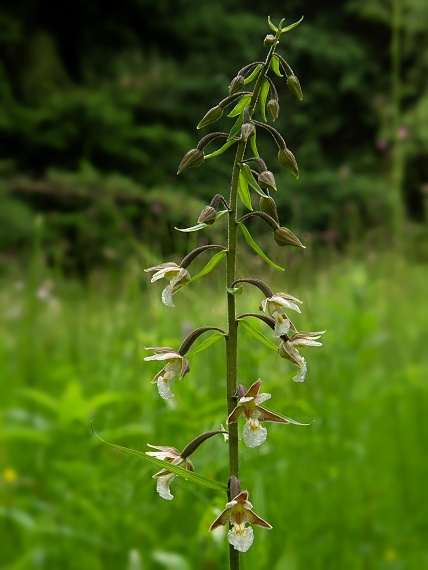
<point>100,101</point>
<point>349,484</point>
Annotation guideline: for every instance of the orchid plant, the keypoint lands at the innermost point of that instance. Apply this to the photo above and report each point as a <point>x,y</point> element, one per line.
<point>249,174</point>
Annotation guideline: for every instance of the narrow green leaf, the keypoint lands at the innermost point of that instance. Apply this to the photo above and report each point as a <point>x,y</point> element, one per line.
<point>236,128</point>
<point>202,226</point>
<point>246,171</point>
<point>180,471</point>
<point>207,342</point>
<point>221,150</point>
<point>253,143</point>
<point>258,335</point>
<point>243,102</point>
<point>275,67</point>
<point>257,249</point>
<point>253,75</point>
<point>209,266</point>
<point>243,191</point>
<point>292,26</point>
<point>264,92</point>
<point>235,290</point>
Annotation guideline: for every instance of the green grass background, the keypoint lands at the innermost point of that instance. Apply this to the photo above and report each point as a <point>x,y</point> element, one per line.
<point>347,492</point>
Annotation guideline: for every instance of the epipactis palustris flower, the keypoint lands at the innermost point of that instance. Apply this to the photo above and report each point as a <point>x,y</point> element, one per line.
<point>287,350</point>
<point>176,364</point>
<point>275,306</point>
<point>178,276</point>
<point>249,405</point>
<point>164,477</point>
<point>239,512</point>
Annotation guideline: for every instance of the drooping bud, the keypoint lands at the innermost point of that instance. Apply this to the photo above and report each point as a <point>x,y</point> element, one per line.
<point>192,159</point>
<point>247,131</point>
<point>210,117</point>
<point>273,109</point>
<point>286,158</point>
<point>208,216</point>
<point>270,40</point>
<point>284,236</point>
<point>236,84</point>
<point>268,206</point>
<point>266,180</point>
<point>294,86</point>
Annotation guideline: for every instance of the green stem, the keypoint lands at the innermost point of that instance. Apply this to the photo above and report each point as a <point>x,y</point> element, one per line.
<point>232,325</point>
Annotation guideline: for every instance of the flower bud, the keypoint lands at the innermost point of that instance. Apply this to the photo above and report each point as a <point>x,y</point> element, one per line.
<point>236,84</point>
<point>210,117</point>
<point>270,40</point>
<point>268,206</point>
<point>266,180</point>
<point>247,131</point>
<point>286,158</point>
<point>208,216</point>
<point>273,109</point>
<point>294,86</point>
<point>192,159</point>
<point>284,236</point>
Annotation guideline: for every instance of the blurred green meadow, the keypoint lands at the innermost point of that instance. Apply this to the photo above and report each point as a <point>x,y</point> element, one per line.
<point>99,103</point>
<point>348,491</point>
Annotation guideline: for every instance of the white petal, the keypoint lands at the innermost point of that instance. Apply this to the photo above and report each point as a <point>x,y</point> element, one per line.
<point>162,487</point>
<point>158,275</point>
<point>281,327</point>
<point>260,398</point>
<point>254,434</point>
<point>164,388</point>
<point>241,538</point>
<point>306,342</point>
<point>164,356</point>
<point>277,300</point>
<point>300,376</point>
<point>167,296</point>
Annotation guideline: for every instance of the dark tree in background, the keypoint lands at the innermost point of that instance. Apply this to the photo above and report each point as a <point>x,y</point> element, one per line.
<point>95,99</point>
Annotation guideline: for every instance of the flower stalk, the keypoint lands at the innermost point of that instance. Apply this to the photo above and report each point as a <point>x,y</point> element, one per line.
<point>274,307</point>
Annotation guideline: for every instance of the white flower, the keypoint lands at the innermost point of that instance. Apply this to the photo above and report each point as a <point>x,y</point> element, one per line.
<point>239,512</point>
<point>164,477</point>
<point>287,350</point>
<point>176,365</point>
<point>275,306</point>
<point>249,405</point>
<point>178,276</point>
